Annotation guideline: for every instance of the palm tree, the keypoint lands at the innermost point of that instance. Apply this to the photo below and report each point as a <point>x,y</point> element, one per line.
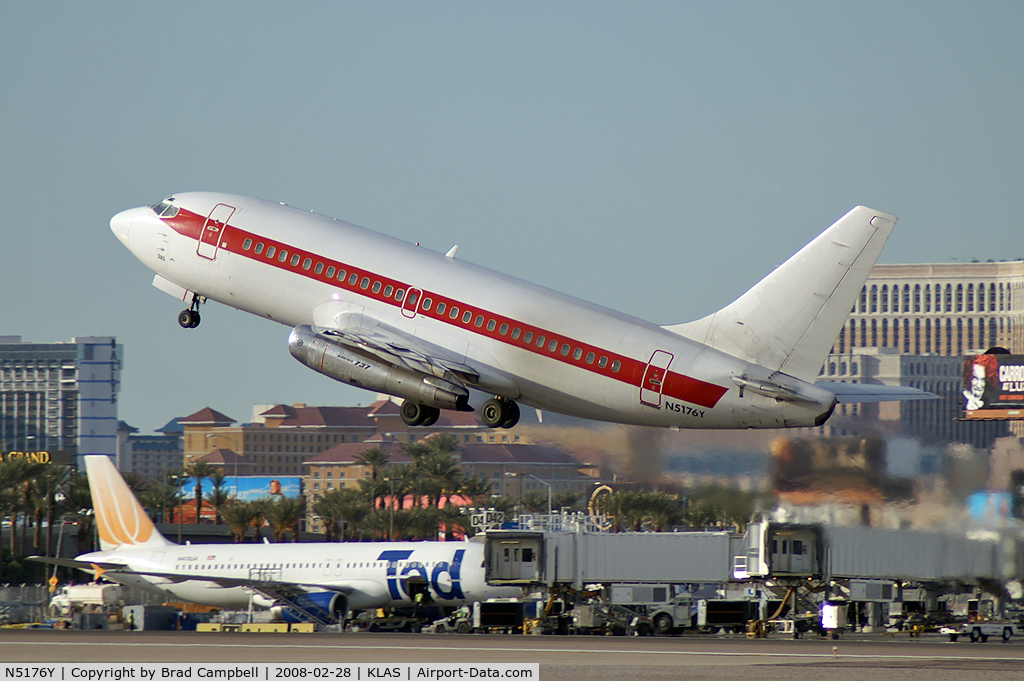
<point>158,498</point>
<point>283,515</point>
<point>16,475</point>
<point>239,515</point>
<point>217,496</point>
<point>375,458</point>
<point>79,501</point>
<point>259,518</point>
<point>199,469</point>
<point>477,489</point>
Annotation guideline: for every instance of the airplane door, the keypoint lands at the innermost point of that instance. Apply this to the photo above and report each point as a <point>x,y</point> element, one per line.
<point>213,229</point>
<point>654,378</point>
<point>411,302</point>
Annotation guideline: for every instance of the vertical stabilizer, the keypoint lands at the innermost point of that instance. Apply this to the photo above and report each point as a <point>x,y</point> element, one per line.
<point>790,319</point>
<point>120,518</point>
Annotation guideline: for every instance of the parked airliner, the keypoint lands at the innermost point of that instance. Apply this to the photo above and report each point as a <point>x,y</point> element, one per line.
<point>320,581</point>
<point>395,318</point>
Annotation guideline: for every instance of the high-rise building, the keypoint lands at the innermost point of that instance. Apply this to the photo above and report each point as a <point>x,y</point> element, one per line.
<point>912,325</point>
<point>60,397</point>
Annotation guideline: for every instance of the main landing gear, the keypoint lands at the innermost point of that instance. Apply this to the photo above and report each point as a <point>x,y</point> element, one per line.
<point>498,412</point>
<point>189,319</point>
<point>415,414</point>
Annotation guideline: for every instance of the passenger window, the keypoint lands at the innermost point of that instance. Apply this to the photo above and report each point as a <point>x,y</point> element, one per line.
<point>282,256</point>
<point>319,268</point>
<point>528,338</point>
<point>553,345</point>
<point>491,324</point>
<point>246,244</point>
<point>399,294</point>
<point>413,297</point>
<point>590,358</point>
<point>306,264</point>
<point>466,316</point>
<point>565,349</point>
<point>364,283</point>
<point>295,260</point>
<point>376,287</point>
<point>515,333</point>
<point>426,304</point>
<point>259,248</point>
<point>388,290</point>
<point>270,252</point>
<point>503,330</point>
<point>577,354</point>
<point>454,313</point>
<point>479,321</point>
<point>603,362</point>
<point>330,272</point>
<point>616,365</point>
<point>540,341</point>
<point>440,308</point>
<point>352,279</point>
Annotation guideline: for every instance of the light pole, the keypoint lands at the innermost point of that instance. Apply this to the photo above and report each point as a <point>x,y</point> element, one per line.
<point>178,479</point>
<point>530,475</point>
<point>214,435</point>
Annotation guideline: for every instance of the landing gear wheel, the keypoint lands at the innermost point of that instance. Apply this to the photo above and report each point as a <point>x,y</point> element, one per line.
<point>195,320</point>
<point>416,414</point>
<point>513,415</point>
<point>498,412</point>
<point>186,319</point>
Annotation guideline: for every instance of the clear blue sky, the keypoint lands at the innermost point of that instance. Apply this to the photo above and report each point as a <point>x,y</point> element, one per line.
<point>654,157</point>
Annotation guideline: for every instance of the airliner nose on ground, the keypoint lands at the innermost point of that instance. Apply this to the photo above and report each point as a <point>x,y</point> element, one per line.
<point>121,225</point>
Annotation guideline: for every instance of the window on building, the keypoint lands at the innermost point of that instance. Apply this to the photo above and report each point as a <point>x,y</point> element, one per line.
<point>874,298</point>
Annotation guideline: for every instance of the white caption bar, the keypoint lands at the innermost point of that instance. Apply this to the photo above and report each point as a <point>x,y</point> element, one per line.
<point>226,671</point>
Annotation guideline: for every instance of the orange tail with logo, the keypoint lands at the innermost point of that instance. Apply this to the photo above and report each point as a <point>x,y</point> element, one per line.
<point>120,518</point>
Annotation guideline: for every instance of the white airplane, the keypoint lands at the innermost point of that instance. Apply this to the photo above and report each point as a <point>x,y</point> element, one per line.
<point>399,319</point>
<point>297,581</point>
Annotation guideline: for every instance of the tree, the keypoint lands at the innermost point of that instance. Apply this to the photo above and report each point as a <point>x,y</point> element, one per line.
<point>477,489</point>
<point>239,515</point>
<point>199,469</point>
<point>217,496</point>
<point>284,514</point>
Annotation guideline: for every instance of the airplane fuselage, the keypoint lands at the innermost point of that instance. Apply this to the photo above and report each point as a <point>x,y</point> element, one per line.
<point>372,575</point>
<point>528,344</point>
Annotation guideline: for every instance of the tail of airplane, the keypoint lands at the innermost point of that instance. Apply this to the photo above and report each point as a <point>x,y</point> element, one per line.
<point>120,518</point>
<point>790,319</point>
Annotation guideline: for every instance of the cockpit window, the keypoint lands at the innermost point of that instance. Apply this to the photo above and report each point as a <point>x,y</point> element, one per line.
<point>166,209</point>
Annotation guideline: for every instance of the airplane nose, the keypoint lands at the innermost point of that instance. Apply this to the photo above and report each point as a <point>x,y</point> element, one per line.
<point>121,226</point>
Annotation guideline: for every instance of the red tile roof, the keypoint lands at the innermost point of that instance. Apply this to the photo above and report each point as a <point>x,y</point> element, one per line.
<point>502,453</point>
<point>225,457</point>
<point>336,417</point>
<point>207,416</point>
<point>345,454</point>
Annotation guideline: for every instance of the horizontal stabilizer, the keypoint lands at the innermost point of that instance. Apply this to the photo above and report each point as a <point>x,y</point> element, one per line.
<point>849,393</point>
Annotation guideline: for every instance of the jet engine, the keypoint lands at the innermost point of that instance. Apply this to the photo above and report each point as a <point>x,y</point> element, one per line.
<point>364,370</point>
<point>328,606</point>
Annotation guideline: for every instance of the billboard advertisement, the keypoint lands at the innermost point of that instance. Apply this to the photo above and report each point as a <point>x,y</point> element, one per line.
<point>993,386</point>
<point>249,487</point>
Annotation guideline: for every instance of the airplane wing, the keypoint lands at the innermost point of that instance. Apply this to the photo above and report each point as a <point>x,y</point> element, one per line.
<point>849,393</point>
<point>365,334</point>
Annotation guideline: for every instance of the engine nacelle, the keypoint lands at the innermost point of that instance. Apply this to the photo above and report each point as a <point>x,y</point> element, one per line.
<point>329,606</point>
<point>364,370</point>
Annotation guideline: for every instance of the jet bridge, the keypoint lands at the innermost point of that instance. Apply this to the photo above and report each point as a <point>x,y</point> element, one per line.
<point>580,558</point>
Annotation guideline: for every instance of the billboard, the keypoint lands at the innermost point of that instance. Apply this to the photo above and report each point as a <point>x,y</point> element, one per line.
<point>994,386</point>
<point>249,487</point>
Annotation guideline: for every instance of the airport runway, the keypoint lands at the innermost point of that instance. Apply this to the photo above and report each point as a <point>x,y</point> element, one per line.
<point>560,658</point>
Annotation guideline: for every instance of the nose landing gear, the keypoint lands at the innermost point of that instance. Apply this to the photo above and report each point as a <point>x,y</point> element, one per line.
<point>499,413</point>
<point>189,319</point>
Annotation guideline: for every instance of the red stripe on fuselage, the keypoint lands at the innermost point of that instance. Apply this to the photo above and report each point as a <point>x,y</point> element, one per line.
<point>631,371</point>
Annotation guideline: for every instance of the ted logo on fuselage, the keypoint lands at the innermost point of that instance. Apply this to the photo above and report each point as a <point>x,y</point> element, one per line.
<point>396,580</point>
